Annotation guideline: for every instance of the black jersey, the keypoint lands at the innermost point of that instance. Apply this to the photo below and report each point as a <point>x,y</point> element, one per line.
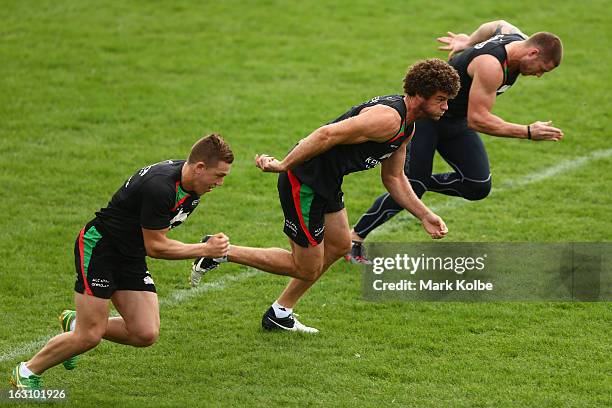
<point>324,173</point>
<point>152,198</point>
<point>494,46</point>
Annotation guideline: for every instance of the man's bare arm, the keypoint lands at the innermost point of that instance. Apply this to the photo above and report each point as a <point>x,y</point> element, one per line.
<point>487,78</point>
<point>378,124</point>
<point>455,43</point>
<point>396,182</point>
<point>158,245</point>
<point>487,30</point>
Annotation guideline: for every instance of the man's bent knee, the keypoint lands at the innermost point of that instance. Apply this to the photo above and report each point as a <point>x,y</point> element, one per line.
<point>477,190</point>
<point>307,273</point>
<point>307,265</point>
<point>145,338</point>
<point>87,341</point>
<point>343,248</point>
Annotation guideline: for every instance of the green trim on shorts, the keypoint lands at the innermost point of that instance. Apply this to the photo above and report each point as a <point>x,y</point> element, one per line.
<point>90,240</point>
<point>306,197</point>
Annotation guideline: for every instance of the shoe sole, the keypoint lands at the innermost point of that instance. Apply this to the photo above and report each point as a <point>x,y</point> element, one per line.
<point>281,327</point>
<point>355,261</point>
<point>192,282</point>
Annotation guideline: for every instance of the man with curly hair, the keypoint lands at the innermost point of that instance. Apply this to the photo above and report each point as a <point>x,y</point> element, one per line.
<point>489,62</point>
<point>310,181</point>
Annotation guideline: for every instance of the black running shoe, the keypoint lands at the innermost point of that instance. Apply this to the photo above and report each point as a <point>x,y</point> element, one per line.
<point>269,321</point>
<point>202,265</point>
<point>357,254</point>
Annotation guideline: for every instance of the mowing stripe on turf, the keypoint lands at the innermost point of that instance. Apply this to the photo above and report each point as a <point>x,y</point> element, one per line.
<point>539,175</point>
<point>173,299</point>
<point>183,295</point>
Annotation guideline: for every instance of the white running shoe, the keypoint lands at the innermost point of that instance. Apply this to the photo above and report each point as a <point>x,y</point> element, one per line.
<point>269,321</point>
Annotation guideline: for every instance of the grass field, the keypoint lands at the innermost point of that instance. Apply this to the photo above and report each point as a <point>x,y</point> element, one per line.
<point>90,92</point>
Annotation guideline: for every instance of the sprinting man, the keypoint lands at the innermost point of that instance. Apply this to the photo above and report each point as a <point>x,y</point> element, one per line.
<point>489,62</point>
<point>310,181</point>
<point>110,256</point>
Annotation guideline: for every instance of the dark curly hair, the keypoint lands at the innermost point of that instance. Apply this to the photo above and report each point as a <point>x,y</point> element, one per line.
<point>429,76</point>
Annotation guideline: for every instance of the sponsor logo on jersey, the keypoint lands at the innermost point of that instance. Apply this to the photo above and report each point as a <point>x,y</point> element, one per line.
<point>482,44</point>
<point>371,162</point>
<point>179,218</point>
<point>144,170</point>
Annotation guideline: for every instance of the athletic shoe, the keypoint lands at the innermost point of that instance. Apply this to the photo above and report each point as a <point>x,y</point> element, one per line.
<point>33,382</point>
<point>269,321</point>
<point>357,254</point>
<point>66,318</point>
<point>200,266</point>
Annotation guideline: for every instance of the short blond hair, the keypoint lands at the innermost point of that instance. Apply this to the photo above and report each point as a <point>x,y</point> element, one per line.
<point>211,149</point>
<point>550,46</point>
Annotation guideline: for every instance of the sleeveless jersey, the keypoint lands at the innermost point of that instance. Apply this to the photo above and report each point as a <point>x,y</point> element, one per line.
<point>493,46</point>
<point>152,198</point>
<point>324,173</point>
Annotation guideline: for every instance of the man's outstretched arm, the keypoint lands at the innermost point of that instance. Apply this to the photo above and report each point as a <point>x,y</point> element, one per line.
<point>458,42</point>
<point>158,245</point>
<point>379,123</point>
<point>396,182</point>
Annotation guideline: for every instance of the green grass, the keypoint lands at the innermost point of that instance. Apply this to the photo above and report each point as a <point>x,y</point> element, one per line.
<point>91,92</point>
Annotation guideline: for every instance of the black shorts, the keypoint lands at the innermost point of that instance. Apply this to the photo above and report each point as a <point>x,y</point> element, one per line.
<point>101,269</point>
<point>304,210</point>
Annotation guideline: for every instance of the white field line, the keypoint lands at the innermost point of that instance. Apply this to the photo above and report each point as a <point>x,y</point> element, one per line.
<point>26,348</point>
<point>182,295</point>
<point>540,175</point>
<point>173,299</point>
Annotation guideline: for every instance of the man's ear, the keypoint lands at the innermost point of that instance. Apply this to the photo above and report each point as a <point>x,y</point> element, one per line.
<point>534,52</point>
<point>200,167</point>
<point>419,99</point>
